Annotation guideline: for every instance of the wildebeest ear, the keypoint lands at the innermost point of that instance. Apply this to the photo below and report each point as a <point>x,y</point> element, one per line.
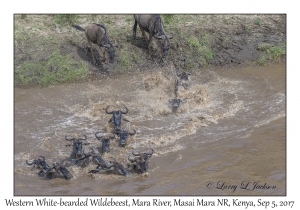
<point>156,36</point>
<point>106,45</point>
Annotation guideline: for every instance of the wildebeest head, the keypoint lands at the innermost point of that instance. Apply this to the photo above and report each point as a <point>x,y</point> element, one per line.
<point>184,79</point>
<point>175,103</point>
<point>141,161</point>
<point>60,168</point>
<point>124,134</point>
<point>116,118</point>
<point>164,42</point>
<point>40,163</point>
<point>111,51</point>
<point>105,141</point>
<point>77,146</point>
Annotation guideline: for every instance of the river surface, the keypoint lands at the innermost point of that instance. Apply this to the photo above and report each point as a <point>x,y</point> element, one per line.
<point>229,138</point>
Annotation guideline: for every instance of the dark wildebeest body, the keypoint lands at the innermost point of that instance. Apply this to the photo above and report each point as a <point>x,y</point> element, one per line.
<point>116,118</point>
<point>140,163</point>
<point>118,168</point>
<point>154,26</point>
<point>40,163</point>
<point>124,134</point>
<point>105,141</point>
<point>97,34</point>
<point>175,103</point>
<point>58,170</point>
<point>102,165</point>
<point>77,157</point>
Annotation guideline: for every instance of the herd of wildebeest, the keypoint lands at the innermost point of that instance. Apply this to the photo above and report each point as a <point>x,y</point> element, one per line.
<point>96,33</point>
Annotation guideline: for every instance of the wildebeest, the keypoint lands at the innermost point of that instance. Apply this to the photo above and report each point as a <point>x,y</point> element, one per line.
<point>175,103</point>
<point>97,34</point>
<point>114,166</point>
<point>59,170</point>
<point>102,165</point>
<point>154,26</point>
<point>184,79</point>
<point>77,152</point>
<point>116,118</point>
<point>124,134</point>
<point>39,163</point>
<point>140,162</point>
<point>118,168</point>
<point>105,141</point>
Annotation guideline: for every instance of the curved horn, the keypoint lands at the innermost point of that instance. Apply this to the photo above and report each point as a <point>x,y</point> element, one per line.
<point>33,162</point>
<point>96,134</point>
<point>106,45</point>
<point>134,132</point>
<point>159,36</point>
<point>184,100</point>
<point>68,138</point>
<point>42,157</point>
<point>151,153</point>
<point>132,160</point>
<point>125,111</point>
<point>135,154</point>
<point>107,112</point>
<point>84,138</point>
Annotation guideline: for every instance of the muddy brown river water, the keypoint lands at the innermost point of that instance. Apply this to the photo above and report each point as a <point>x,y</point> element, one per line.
<point>229,138</point>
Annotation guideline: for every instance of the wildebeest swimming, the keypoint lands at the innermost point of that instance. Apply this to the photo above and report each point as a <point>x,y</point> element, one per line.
<point>77,151</point>
<point>140,162</point>
<point>101,164</point>
<point>39,163</point>
<point>184,79</point>
<point>58,170</point>
<point>175,103</point>
<point>97,34</point>
<point>114,166</point>
<point>116,118</point>
<point>105,141</point>
<point>124,134</point>
<point>154,26</point>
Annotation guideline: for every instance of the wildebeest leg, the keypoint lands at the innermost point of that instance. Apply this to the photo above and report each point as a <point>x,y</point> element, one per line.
<point>144,35</point>
<point>134,29</point>
<point>91,46</point>
<point>150,38</point>
<point>123,171</point>
<point>102,54</point>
